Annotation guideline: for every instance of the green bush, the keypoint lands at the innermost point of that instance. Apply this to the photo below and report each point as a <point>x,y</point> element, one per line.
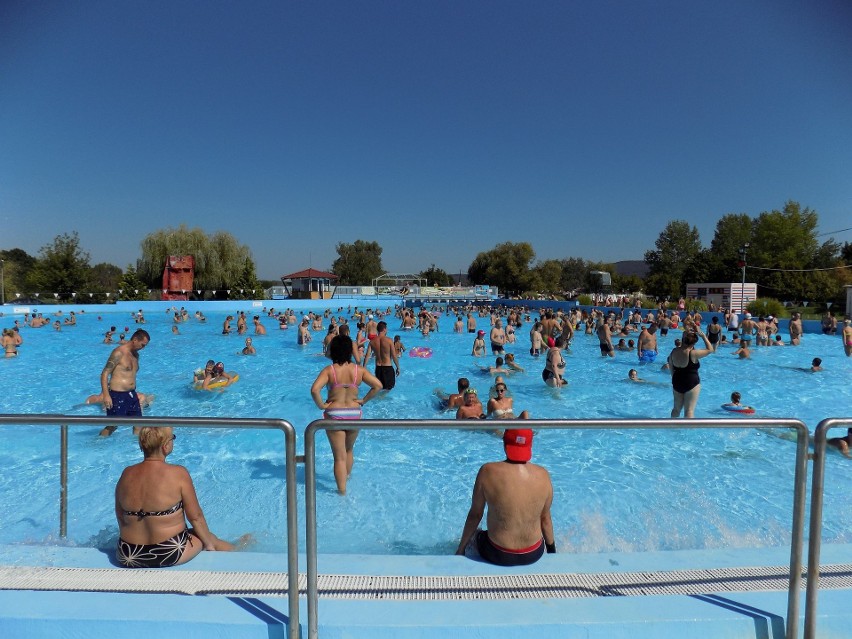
<point>766,306</point>
<point>696,305</point>
<point>649,303</point>
<point>585,300</point>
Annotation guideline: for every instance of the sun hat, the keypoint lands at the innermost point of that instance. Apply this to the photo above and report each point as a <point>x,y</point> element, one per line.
<point>518,444</point>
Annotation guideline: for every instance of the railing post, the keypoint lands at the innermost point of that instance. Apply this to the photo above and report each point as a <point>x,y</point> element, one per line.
<point>292,532</point>
<point>63,481</point>
<point>815,532</point>
<point>800,481</point>
<point>311,530</point>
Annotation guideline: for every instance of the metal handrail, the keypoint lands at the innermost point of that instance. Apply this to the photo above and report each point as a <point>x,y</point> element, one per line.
<point>799,480</point>
<point>815,530</point>
<point>192,422</point>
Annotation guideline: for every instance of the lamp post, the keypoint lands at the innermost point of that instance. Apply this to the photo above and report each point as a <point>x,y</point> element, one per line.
<point>742,264</point>
<point>2,282</point>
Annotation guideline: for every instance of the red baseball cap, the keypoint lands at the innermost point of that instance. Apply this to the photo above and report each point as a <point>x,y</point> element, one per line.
<point>518,444</point>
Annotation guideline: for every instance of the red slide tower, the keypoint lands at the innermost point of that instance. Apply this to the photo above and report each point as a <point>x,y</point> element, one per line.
<point>178,276</point>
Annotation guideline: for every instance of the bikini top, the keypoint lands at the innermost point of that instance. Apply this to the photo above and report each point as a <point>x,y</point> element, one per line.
<point>336,384</point>
<point>141,514</point>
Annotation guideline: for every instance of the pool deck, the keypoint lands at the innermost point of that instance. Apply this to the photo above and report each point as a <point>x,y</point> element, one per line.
<point>721,612</point>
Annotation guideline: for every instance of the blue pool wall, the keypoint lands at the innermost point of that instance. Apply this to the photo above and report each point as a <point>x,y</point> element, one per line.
<point>256,306</point>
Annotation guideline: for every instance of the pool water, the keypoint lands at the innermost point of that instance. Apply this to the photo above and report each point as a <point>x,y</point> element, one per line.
<point>410,490</point>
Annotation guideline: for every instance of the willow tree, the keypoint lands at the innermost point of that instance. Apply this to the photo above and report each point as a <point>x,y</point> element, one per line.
<point>220,260</point>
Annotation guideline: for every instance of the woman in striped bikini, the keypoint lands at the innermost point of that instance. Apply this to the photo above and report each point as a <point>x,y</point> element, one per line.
<point>342,379</point>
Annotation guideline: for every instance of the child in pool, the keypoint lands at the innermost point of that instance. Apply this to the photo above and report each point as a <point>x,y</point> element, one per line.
<point>735,404</point>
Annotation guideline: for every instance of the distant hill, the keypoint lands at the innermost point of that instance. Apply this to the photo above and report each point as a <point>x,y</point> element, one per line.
<point>632,267</point>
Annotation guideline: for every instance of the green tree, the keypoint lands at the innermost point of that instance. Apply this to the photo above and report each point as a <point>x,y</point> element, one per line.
<point>574,272</point>
<point>785,254</point>
<point>131,286</point>
<point>219,259</point>
<point>506,266</point>
<point>105,277</point>
<point>247,282</point>
<point>63,268</point>
<point>17,264</point>
<point>733,231</point>
<point>358,263</point>
<point>549,276</point>
<point>678,246</point>
<point>437,277</point>
<point>628,283</point>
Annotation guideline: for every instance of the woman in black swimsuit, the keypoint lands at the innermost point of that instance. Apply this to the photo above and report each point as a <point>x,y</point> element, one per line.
<point>683,365</point>
<point>153,500</point>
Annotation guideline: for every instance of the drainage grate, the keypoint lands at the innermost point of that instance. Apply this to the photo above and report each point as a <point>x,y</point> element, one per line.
<point>418,588</point>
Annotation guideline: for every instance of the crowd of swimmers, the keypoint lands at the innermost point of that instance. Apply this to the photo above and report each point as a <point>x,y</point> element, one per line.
<point>630,332</point>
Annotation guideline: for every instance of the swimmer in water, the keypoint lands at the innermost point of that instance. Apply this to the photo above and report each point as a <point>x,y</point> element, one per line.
<point>249,348</point>
<point>842,443</point>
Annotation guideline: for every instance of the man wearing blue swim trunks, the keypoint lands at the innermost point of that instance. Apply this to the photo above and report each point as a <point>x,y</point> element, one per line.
<point>118,379</point>
<point>646,344</point>
<point>518,495</point>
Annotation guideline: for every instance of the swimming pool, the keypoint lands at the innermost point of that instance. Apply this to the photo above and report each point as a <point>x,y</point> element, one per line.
<point>410,490</point>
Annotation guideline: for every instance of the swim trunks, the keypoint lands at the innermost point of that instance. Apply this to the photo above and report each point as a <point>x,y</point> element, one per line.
<point>606,349</point>
<point>535,352</point>
<point>165,553</point>
<point>387,376</point>
<point>664,331</point>
<point>496,348</point>
<point>125,403</point>
<point>547,374</point>
<point>647,356</point>
<point>500,556</point>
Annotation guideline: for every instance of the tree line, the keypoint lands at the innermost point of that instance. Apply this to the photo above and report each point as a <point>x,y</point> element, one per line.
<point>779,249</point>
<point>63,271</point>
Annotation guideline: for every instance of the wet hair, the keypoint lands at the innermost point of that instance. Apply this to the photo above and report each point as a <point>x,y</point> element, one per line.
<point>340,349</point>
<point>463,384</point>
<point>735,397</point>
<point>499,362</point>
<point>817,361</point>
<point>381,326</point>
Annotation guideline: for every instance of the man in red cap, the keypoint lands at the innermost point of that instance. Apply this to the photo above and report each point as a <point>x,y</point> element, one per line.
<point>518,495</point>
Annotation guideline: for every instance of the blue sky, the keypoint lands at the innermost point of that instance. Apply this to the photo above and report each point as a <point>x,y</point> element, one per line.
<point>436,128</point>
